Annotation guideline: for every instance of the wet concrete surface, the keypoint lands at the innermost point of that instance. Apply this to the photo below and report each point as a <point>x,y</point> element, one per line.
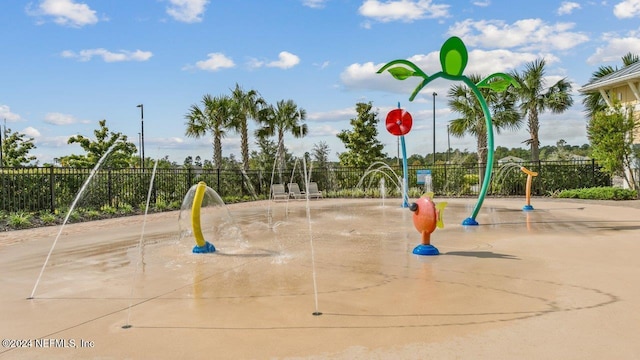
<point>558,282</point>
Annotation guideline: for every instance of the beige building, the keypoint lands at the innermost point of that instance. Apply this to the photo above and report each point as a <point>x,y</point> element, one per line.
<point>621,86</point>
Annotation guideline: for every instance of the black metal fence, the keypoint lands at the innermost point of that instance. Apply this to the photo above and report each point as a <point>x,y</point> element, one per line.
<point>34,189</point>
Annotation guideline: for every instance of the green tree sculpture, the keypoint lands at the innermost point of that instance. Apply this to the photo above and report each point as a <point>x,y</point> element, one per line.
<point>453,60</point>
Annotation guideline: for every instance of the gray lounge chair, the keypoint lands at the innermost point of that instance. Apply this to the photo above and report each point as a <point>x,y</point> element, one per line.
<point>277,192</point>
<point>294,191</point>
<point>313,191</point>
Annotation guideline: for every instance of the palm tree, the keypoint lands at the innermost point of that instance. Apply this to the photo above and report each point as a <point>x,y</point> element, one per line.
<point>534,100</point>
<point>593,101</point>
<point>246,106</point>
<point>285,117</point>
<point>214,116</point>
<point>502,107</point>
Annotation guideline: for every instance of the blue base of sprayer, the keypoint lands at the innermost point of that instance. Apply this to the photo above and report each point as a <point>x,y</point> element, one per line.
<point>426,250</point>
<point>404,204</point>
<point>527,208</point>
<point>207,248</point>
<point>470,221</point>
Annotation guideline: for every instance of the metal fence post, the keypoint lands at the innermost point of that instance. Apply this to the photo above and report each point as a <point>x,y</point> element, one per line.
<point>593,172</point>
<point>109,193</point>
<point>52,189</point>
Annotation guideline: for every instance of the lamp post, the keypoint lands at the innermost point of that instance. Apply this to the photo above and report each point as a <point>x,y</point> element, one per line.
<point>140,148</point>
<point>434,128</point>
<point>448,144</point>
<point>141,106</point>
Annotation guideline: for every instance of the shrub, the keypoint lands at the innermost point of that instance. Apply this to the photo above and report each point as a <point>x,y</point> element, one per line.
<point>92,214</point>
<point>75,216</point>
<point>175,205</point>
<point>48,218</point>
<point>600,193</point>
<point>125,209</point>
<point>19,220</point>
<point>108,209</point>
<point>161,205</point>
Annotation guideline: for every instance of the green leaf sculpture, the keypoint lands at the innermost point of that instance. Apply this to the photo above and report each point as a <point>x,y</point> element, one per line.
<point>401,73</point>
<point>453,61</point>
<point>498,82</point>
<point>453,56</point>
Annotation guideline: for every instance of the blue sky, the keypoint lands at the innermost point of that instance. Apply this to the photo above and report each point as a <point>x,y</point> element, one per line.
<point>66,64</point>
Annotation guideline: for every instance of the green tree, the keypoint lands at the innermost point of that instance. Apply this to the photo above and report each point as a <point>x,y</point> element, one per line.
<point>188,162</point>
<point>163,163</point>
<point>16,148</point>
<point>120,157</point>
<point>593,101</point>
<point>284,118</point>
<point>501,152</point>
<point>415,160</point>
<point>246,106</point>
<point>320,154</point>
<point>611,135</point>
<point>503,112</point>
<point>320,159</point>
<point>534,100</point>
<point>363,146</point>
<point>213,117</point>
<point>264,158</point>
<point>560,152</point>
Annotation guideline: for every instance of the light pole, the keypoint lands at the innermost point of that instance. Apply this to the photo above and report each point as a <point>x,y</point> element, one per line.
<point>434,128</point>
<point>140,149</point>
<point>141,106</point>
<point>448,144</point>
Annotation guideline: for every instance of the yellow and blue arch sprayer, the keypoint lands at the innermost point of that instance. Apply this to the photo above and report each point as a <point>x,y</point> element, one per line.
<point>202,246</point>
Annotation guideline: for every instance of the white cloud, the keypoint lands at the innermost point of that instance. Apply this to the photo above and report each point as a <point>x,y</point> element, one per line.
<point>527,34</point>
<point>615,48</point>
<point>5,113</point>
<point>31,132</point>
<point>482,3</point>
<point>65,12</point>
<point>322,65</point>
<point>61,119</point>
<point>108,56</point>
<point>314,4</point>
<point>188,11</point>
<point>402,10</point>
<point>334,115</point>
<point>567,7</point>
<point>285,60</point>
<point>169,143</point>
<point>487,62</point>
<point>323,130</point>
<point>215,62</point>
<point>627,9</point>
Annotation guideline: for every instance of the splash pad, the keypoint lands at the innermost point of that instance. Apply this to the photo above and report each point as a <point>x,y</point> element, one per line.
<point>491,288</point>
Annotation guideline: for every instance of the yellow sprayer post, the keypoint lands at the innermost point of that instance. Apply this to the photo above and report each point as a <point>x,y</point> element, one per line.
<point>530,175</point>
<point>195,213</point>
